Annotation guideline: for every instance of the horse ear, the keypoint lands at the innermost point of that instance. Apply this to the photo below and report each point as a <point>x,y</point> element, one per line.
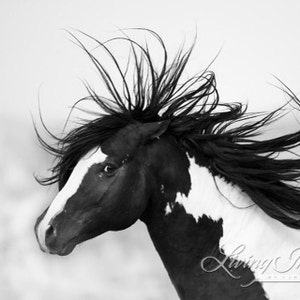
<point>153,130</point>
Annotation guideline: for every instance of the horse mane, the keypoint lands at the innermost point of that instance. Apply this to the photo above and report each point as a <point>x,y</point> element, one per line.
<point>221,136</point>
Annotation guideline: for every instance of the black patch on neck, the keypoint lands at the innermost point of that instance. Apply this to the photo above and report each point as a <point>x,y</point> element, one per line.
<point>184,245</point>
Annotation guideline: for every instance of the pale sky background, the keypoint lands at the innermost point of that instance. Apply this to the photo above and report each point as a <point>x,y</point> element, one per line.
<point>258,38</point>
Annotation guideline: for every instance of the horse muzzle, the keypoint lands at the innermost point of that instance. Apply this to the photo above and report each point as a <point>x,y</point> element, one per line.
<point>52,239</point>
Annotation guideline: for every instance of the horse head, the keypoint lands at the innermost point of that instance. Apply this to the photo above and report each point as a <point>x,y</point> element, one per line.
<point>110,187</point>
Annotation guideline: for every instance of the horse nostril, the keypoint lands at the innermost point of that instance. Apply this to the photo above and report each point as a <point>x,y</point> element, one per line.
<point>50,232</point>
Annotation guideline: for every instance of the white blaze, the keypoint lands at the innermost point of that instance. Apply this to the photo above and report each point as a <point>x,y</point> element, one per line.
<point>264,238</point>
<point>92,157</point>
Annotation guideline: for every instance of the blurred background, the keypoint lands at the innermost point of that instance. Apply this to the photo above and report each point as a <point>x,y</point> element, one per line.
<point>257,39</point>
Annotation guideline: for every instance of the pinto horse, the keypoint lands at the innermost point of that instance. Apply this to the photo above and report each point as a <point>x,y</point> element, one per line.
<point>221,207</point>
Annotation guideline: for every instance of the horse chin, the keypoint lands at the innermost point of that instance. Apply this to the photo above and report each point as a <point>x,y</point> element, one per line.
<point>66,249</point>
<point>63,251</point>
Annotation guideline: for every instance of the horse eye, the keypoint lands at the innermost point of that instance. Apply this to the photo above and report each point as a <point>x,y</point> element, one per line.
<point>109,168</point>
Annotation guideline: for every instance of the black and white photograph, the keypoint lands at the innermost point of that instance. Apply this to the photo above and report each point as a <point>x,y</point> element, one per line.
<point>150,150</point>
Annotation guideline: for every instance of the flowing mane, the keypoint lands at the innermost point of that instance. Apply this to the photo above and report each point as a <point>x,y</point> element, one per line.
<point>221,136</point>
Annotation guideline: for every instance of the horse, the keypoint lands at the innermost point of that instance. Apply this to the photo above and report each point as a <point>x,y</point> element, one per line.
<point>221,205</point>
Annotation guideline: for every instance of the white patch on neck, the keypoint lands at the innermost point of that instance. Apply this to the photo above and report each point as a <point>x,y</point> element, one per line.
<point>263,237</point>
<point>168,209</point>
<point>92,157</point>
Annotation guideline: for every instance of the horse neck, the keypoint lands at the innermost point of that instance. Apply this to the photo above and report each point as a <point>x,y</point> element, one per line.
<point>187,228</point>
<point>243,223</point>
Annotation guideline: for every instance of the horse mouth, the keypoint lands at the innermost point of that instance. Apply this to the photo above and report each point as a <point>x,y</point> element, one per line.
<point>61,250</point>
<point>66,250</point>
